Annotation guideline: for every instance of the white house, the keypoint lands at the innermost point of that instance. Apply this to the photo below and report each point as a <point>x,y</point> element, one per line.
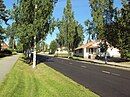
<point>61,51</point>
<point>88,50</point>
<point>113,52</point>
<point>91,49</point>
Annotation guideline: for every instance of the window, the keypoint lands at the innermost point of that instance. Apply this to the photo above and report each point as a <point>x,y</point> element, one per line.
<point>80,50</point>
<point>91,51</point>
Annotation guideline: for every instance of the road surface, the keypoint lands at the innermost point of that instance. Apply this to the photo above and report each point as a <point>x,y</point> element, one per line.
<point>104,81</point>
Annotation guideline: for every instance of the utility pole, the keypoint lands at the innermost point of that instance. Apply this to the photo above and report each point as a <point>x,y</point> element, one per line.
<point>34,48</point>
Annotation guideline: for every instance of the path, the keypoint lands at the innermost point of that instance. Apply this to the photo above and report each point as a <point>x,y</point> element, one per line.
<point>6,64</point>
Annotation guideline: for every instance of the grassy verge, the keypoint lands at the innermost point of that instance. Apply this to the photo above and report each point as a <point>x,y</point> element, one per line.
<point>23,81</point>
<point>78,58</point>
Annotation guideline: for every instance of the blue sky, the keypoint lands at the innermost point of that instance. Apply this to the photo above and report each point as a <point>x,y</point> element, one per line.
<point>80,7</point>
<point>81,12</point>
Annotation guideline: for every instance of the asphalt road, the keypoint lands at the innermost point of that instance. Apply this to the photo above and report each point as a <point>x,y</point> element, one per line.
<point>104,81</point>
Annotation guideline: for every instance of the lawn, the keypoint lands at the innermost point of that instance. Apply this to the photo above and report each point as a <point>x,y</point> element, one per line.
<point>23,81</point>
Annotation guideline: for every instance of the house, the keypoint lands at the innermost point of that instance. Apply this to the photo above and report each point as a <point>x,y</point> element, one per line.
<point>4,46</point>
<point>114,52</point>
<point>61,51</point>
<point>88,50</point>
<point>91,49</point>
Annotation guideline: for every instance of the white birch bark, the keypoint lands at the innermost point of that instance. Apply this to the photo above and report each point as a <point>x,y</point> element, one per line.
<point>34,53</point>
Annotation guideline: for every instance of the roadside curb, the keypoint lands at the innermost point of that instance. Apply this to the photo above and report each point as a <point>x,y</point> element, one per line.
<point>112,65</point>
<point>102,64</point>
<point>108,64</point>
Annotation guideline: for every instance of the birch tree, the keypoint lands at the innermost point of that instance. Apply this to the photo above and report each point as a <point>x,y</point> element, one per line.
<point>33,19</point>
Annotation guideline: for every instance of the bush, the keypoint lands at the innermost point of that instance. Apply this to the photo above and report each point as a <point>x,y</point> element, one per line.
<point>19,51</point>
<point>14,53</point>
<point>2,55</point>
<point>128,55</point>
<point>53,47</point>
<point>7,52</point>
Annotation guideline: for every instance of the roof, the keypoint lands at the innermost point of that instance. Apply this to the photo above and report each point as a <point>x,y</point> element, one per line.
<point>91,44</point>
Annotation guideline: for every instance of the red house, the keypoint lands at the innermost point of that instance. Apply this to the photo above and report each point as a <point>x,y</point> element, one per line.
<point>4,46</point>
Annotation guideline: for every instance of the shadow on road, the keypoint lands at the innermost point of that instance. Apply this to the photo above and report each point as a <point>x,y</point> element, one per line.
<point>42,59</point>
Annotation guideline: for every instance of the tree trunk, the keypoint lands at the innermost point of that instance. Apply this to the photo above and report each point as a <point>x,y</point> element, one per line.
<point>34,53</point>
<point>105,57</point>
<point>0,45</point>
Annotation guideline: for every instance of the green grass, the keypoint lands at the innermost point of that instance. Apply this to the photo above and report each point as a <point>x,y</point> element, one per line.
<point>23,81</point>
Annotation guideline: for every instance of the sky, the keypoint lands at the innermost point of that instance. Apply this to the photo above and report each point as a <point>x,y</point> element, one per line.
<point>80,8</point>
<point>81,12</point>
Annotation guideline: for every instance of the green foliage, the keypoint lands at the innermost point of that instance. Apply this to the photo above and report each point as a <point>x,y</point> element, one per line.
<point>45,47</point>
<point>91,30</point>
<point>2,36</point>
<point>10,32</point>
<point>128,55</point>
<point>112,24</point>
<point>2,18</point>
<point>33,18</point>
<point>19,47</point>
<point>41,46</point>
<point>103,46</point>
<point>7,52</point>
<point>97,14</point>
<point>71,32</point>
<point>102,13</point>
<point>53,47</point>
<point>119,35</point>
<point>37,19</point>
<point>2,55</point>
<point>124,31</point>
<point>2,11</point>
<point>2,6</point>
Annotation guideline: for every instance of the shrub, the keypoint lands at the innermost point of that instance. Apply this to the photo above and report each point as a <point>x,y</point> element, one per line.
<point>14,53</point>
<point>7,52</point>
<point>2,55</point>
<point>128,55</point>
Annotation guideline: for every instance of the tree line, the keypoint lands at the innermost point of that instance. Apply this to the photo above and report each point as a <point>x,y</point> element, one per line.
<point>33,21</point>
<point>3,17</point>
<point>110,23</point>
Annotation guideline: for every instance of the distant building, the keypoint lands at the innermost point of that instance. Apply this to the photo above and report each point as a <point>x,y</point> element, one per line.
<point>4,46</point>
<point>91,49</point>
<point>61,51</point>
